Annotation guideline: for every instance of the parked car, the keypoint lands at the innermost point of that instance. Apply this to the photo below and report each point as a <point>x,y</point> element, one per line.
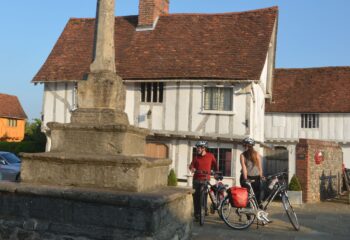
<point>10,167</point>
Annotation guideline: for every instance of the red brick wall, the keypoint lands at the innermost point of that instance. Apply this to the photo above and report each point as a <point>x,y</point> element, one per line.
<point>318,181</point>
<point>149,10</point>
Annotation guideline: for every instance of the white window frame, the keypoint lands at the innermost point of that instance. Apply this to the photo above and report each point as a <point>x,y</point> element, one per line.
<point>222,112</point>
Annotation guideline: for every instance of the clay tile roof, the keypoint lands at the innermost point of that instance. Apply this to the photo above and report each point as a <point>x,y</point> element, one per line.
<point>217,46</point>
<point>311,90</point>
<point>10,107</point>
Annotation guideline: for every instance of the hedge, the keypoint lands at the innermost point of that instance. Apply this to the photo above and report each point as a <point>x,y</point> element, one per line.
<point>24,146</point>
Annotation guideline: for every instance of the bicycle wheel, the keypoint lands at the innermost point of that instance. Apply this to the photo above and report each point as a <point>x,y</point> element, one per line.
<point>237,218</point>
<point>202,207</point>
<point>290,212</point>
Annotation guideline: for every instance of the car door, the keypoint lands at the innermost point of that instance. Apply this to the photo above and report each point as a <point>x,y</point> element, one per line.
<point>6,173</point>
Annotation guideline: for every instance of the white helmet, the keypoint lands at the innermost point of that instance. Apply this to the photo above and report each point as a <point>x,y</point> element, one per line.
<point>248,141</point>
<point>202,144</point>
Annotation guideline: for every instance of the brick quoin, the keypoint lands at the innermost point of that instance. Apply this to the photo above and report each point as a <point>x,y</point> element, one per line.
<point>314,178</point>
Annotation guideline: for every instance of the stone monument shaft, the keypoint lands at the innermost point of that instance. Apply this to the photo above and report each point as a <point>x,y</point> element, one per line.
<point>104,55</point>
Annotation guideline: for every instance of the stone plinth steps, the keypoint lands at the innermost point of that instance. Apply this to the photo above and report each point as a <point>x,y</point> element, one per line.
<point>95,183</point>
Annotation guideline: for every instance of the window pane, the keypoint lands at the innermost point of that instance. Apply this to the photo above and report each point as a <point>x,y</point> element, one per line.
<point>149,92</point>
<point>160,92</point>
<point>218,98</point>
<point>227,99</point>
<point>310,120</point>
<point>225,159</point>
<point>207,98</point>
<point>302,120</point>
<point>215,99</point>
<point>155,92</point>
<point>143,92</point>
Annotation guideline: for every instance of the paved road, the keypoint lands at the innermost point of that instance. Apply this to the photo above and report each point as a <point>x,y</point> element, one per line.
<point>325,220</point>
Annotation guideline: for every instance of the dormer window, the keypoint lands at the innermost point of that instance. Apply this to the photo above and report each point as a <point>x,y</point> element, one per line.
<point>152,92</point>
<point>310,120</point>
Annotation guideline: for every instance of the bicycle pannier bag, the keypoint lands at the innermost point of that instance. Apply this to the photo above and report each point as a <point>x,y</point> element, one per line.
<point>238,197</point>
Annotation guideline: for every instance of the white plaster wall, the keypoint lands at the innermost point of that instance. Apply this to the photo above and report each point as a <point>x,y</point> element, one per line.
<point>48,109</point>
<point>224,122</point>
<point>58,102</point>
<point>170,104</point>
<point>157,116</point>
<point>346,155</point>
<point>263,76</point>
<point>130,102</point>
<point>258,111</point>
<point>287,126</point>
<point>182,167</point>
<point>196,106</point>
<point>143,119</point>
<point>239,117</point>
<point>184,103</point>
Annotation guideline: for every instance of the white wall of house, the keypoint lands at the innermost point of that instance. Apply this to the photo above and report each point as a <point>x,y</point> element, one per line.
<point>182,110</point>
<point>283,127</point>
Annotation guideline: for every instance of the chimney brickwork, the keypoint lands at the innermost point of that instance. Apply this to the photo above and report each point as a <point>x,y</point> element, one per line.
<point>150,10</point>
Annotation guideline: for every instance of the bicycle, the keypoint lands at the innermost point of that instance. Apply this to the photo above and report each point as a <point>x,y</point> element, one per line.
<point>216,193</point>
<point>242,218</point>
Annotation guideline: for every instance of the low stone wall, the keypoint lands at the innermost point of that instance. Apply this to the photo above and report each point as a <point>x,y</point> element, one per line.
<point>318,167</point>
<point>41,212</point>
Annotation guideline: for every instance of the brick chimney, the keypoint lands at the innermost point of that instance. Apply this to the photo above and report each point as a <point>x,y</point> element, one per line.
<point>149,11</point>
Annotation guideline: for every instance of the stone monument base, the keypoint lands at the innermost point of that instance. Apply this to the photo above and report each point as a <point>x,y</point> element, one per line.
<point>135,173</point>
<point>29,211</point>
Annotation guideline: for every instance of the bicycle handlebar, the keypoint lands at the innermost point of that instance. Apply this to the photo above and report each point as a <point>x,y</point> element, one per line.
<point>276,175</point>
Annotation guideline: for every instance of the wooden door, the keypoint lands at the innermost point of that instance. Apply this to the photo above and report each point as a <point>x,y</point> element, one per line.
<point>156,150</point>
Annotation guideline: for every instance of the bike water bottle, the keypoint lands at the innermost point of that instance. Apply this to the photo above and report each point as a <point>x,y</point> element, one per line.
<point>272,183</point>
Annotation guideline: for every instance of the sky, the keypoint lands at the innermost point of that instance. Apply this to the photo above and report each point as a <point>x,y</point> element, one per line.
<point>311,33</point>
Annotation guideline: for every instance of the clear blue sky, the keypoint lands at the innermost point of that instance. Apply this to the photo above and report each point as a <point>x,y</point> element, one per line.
<point>311,33</point>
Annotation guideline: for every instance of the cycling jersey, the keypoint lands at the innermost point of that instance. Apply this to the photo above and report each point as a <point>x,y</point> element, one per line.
<point>203,163</point>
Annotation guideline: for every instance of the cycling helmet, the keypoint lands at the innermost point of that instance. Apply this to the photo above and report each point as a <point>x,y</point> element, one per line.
<point>202,144</point>
<point>248,141</point>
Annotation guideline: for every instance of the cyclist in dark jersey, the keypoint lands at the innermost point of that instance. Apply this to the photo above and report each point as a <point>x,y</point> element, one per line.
<point>204,161</point>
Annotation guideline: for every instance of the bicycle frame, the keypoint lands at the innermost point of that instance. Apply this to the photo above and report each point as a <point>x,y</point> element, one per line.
<point>281,188</point>
<point>205,189</point>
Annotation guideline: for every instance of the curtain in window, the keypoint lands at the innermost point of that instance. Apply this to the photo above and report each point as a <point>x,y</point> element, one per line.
<point>218,99</point>
<point>207,98</point>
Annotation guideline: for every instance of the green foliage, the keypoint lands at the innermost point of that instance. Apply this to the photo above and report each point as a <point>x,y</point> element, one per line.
<point>33,132</point>
<point>24,146</point>
<point>294,184</point>
<point>172,179</point>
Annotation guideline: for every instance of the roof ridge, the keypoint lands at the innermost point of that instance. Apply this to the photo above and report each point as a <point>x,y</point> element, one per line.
<point>275,8</point>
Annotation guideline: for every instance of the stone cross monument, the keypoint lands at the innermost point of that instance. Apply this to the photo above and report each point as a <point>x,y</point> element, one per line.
<point>96,183</point>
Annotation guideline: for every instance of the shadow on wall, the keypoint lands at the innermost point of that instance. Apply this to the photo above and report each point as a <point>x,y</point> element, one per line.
<point>328,186</point>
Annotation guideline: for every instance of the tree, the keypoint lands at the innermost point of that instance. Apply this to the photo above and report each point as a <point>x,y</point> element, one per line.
<point>33,132</point>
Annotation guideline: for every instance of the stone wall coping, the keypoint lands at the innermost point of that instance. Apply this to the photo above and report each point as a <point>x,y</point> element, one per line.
<point>153,199</point>
<point>116,160</point>
<point>99,127</point>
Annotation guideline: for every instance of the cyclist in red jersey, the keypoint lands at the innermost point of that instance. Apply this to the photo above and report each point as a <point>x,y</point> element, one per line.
<point>204,162</point>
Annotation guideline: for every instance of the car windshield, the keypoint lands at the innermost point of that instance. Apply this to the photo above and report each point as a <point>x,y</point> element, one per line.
<point>11,158</point>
